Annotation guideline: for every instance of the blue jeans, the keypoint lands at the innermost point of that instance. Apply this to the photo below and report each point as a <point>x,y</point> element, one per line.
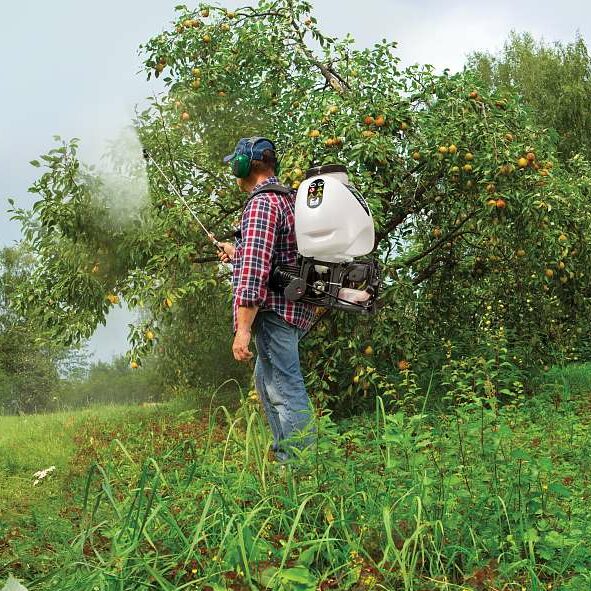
<point>279,382</point>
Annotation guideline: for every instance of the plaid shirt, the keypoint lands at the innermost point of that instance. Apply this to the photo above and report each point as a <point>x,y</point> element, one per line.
<point>268,235</point>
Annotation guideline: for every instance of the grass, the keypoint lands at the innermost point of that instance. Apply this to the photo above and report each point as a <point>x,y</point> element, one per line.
<point>479,497</point>
<point>36,523</point>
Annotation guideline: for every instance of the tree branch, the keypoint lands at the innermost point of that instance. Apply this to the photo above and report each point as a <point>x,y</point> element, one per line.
<point>331,76</point>
<point>436,245</point>
<point>201,260</point>
<point>401,216</point>
<point>427,272</point>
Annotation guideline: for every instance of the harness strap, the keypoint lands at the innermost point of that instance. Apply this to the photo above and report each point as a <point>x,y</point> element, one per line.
<point>271,188</point>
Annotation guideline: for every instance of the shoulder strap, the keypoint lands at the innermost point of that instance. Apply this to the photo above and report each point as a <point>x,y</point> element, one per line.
<point>271,188</point>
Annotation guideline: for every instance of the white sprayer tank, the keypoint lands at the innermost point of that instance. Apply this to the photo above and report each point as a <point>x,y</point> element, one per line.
<point>332,220</point>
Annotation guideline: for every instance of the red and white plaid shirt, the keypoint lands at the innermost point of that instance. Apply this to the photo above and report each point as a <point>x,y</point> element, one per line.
<point>268,234</point>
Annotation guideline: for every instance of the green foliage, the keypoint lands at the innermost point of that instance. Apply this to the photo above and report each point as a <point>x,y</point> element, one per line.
<point>39,521</point>
<point>28,357</point>
<point>553,79</point>
<point>194,349</point>
<point>472,200</point>
<point>479,496</point>
<point>110,383</point>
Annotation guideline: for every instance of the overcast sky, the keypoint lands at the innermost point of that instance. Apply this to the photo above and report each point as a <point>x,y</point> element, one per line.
<point>70,67</point>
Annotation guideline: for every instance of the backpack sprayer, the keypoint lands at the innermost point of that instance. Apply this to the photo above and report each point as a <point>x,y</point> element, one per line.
<point>333,226</point>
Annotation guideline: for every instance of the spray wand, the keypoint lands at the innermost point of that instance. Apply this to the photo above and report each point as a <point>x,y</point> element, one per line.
<point>211,237</point>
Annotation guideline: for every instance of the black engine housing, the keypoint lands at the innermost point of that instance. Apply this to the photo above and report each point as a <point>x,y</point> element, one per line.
<point>319,283</point>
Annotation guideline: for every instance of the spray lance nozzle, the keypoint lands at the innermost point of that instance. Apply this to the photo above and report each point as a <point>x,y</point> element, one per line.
<point>148,157</point>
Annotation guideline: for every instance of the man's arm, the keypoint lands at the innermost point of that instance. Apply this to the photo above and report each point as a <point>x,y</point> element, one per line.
<point>226,252</point>
<point>259,234</point>
<point>244,320</point>
<point>258,243</point>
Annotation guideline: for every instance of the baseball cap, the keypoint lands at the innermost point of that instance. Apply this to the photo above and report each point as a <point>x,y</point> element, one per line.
<point>253,147</point>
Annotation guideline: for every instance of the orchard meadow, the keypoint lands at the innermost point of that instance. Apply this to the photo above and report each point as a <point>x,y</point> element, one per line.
<point>453,424</point>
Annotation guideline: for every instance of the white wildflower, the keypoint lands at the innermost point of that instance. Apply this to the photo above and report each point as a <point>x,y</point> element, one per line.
<point>39,476</point>
<point>13,585</point>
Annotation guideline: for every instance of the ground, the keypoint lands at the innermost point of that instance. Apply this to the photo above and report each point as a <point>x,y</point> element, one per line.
<point>167,497</point>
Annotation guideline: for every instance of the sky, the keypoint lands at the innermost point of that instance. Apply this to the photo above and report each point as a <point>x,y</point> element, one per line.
<point>71,68</point>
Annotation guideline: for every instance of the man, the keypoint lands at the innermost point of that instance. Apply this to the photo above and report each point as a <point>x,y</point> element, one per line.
<point>267,236</point>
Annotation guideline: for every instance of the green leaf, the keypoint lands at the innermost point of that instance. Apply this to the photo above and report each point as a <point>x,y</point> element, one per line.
<point>307,556</point>
<point>520,454</point>
<point>531,535</point>
<point>559,490</point>
<point>300,574</point>
<point>268,575</point>
<point>554,539</point>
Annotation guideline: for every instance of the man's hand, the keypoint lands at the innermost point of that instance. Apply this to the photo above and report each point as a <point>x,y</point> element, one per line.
<point>226,252</point>
<point>240,345</point>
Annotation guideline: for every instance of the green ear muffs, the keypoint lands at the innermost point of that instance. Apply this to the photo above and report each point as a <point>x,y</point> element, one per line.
<point>241,166</point>
<point>241,163</point>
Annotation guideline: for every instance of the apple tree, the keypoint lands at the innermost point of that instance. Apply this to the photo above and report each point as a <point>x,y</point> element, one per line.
<point>480,230</point>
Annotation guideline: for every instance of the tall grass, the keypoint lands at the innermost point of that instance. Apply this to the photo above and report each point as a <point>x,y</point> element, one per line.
<point>478,497</point>
<point>468,500</point>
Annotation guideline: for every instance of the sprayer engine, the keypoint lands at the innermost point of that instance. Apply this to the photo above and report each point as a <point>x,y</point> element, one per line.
<point>333,226</point>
